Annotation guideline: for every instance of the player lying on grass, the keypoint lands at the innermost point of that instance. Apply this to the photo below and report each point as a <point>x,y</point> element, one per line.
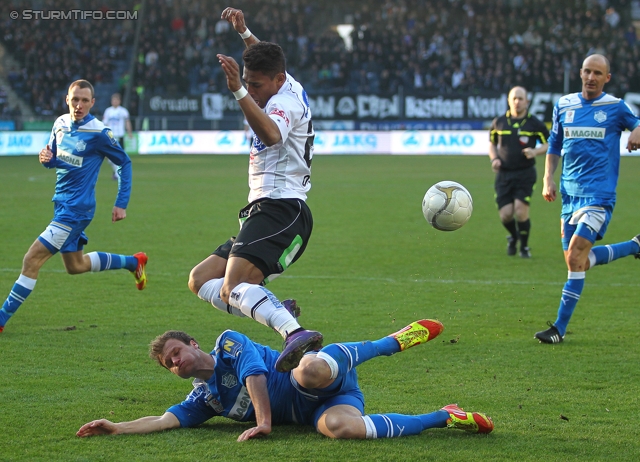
<point>238,380</point>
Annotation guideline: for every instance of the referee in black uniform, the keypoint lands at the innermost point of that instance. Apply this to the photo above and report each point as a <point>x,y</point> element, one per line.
<point>512,151</point>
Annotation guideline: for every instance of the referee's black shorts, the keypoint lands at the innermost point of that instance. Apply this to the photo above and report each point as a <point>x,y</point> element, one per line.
<point>274,233</point>
<point>515,184</point>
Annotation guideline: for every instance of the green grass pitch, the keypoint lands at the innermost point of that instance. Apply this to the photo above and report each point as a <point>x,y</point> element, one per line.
<point>77,349</point>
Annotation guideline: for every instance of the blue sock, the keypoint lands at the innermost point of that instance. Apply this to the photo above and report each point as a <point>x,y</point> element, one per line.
<point>395,425</point>
<point>350,355</point>
<point>19,292</point>
<point>102,261</point>
<point>570,297</point>
<point>607,253</point>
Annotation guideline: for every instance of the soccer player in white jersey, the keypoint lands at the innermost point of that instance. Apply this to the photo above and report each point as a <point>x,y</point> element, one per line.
<point>238,380</point>
<point>248,132</point>
<point>586,133</point>
<point>116,117</point>
<point>276,224</point>
<point>78,145</point>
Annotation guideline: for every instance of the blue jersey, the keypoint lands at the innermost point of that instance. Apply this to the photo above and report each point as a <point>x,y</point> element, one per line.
<point>587,134</point>
<point>225,393</point>
<point>79,149</point>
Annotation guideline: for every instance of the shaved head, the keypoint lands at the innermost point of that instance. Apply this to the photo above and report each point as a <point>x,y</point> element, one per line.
<point>518,102</point>
<point>596,58</point>
<point>595,73</point>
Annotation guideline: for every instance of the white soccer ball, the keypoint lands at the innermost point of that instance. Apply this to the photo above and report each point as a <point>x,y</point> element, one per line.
<point>447,205</point>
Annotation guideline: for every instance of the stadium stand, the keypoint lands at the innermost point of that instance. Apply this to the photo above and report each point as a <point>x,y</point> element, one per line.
<point>436,46</point>
<point>52,53</point>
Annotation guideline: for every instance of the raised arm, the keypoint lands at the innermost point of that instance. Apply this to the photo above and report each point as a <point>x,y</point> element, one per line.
<point>257,388</point>
<point>236,19</point>
<point>143,425</point>
<point>263,126</point>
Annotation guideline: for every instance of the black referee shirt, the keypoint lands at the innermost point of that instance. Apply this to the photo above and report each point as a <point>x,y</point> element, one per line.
<point>511,136</point>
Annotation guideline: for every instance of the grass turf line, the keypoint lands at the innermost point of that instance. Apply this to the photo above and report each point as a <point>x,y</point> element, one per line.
<point>373,265</point>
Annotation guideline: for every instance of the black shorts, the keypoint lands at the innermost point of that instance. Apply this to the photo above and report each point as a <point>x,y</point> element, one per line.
<point>514,184</point>
<point>273,234</point>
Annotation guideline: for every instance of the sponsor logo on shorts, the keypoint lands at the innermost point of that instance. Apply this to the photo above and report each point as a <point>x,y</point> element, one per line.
<point>585,133</point>
<point>70,159</point>
<point>234,295</point>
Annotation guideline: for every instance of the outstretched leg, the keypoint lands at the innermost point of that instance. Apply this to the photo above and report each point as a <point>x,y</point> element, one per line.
<point>344,421</point>
<point>103,261</point>
<point>603,254</point>
<point>342,357</point>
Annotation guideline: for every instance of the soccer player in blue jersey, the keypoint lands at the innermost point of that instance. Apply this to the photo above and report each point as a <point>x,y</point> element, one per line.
<point>238,380</point>
<point>78,145</point>
<point>586,133</point>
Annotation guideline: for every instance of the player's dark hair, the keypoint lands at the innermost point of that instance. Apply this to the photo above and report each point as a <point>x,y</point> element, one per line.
<point>82,84</point>
<point>265,57</point>
<point>157,344</point>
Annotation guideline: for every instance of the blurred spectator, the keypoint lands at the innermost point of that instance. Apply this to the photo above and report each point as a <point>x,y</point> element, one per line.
<point>443,46</point>
<point>612,17</point>
<point>53,52</point>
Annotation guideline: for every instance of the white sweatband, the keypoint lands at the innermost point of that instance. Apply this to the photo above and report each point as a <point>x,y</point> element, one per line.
<point>246,34</point>
<point>241,93</point>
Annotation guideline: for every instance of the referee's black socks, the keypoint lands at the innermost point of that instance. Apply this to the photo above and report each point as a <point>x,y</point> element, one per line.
<point>523,233</point>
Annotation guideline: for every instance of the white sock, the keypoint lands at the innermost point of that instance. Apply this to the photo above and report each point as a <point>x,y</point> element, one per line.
<point>95,261</point>
<point>260,304</point>
<point>210,292</point>
<point>26,282</point>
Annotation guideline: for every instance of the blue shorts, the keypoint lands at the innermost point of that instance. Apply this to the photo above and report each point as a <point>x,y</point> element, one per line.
<point>588,217</point>
<point>342,391</point>
<point>65,233</point>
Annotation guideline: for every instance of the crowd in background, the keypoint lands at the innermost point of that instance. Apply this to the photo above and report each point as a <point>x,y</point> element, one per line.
<point>51,53</point>
<point>416,46</point>
<point>442,46</point>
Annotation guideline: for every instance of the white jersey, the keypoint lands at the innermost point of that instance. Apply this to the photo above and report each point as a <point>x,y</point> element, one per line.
<point>283,171</point>
<point>115,118</point>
